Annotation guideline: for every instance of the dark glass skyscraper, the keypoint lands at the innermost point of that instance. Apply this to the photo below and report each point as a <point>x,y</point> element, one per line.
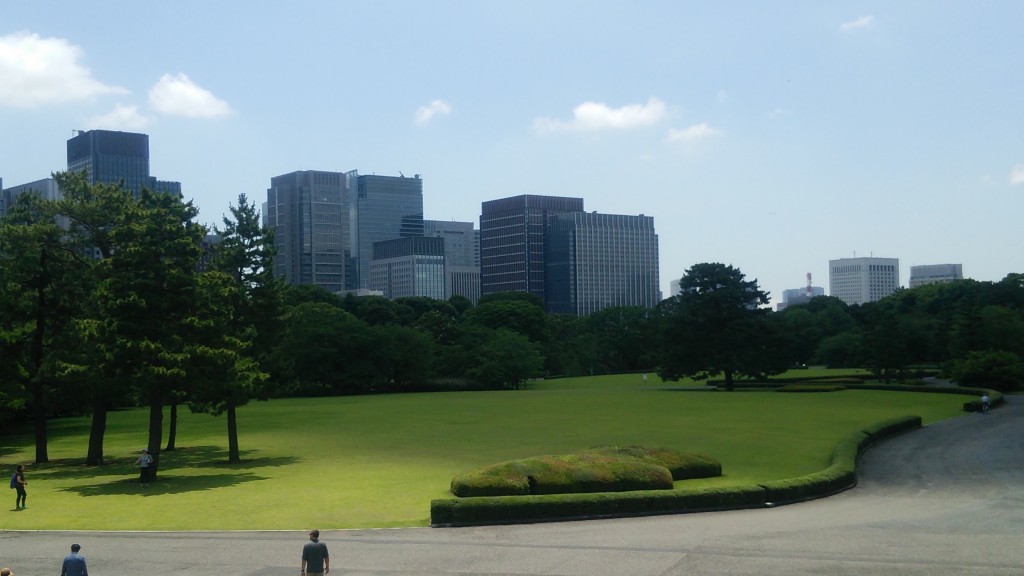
<point>596,261</point>
<point>512,236</point>
<point>384,208</point>
<point>110,157</point>
<point>307,212</point>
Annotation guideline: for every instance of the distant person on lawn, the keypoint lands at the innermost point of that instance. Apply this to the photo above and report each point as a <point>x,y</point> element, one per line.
<point>19,485</point>
<point>314,556</point>
<point>144,462</point>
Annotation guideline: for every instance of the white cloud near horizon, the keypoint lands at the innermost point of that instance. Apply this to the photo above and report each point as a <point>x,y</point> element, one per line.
<point>37,71</point>
<point>178,95</point>
<point>1017,175</point>
<point>425,114</point>
<point>693,134</point>
<point>862,22</point>
<point>596,116</point>
<point>126,118</point>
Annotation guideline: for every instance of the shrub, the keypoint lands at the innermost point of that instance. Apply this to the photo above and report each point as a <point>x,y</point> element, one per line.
<point>598,470</point>
<point>811,388</point>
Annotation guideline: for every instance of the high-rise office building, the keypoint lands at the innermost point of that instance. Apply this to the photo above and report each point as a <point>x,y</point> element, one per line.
<point>383,208</point>
<point>935,274</point>
<point>797,296</point>
<point>412,266</point>
<point>110,157</point>
<point>512,232</point>
<point>46,188</point>
<point>461,256</point>
<point>307,210</point>
<point>862,280</point>
<point>595,261</point>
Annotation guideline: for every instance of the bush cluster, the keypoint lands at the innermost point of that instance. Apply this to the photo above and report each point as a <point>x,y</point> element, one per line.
<point>840,475</point>
<point>811,388</point>
<point>612,469</point>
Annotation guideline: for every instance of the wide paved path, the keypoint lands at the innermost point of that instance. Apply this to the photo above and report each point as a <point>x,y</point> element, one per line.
<point>944,500</point>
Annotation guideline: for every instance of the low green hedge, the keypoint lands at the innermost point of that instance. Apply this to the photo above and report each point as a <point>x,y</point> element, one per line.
<point>838,476</point>
<point>508,509</point>
<point>811,388</point>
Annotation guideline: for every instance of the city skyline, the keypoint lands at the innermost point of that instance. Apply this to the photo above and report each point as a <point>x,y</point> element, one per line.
<point>774,138</point>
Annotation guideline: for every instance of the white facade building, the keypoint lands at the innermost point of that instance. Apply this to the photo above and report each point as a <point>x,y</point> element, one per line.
<point>935,274</point>
<point>862,280</point>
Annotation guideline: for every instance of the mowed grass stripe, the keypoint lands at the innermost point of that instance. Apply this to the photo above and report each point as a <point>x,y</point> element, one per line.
<point>377,461</point>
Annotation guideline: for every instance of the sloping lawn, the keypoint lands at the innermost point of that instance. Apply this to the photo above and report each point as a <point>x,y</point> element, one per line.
<point>377,461</point>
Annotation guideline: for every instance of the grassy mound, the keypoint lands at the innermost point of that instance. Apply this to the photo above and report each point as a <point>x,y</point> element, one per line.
<point>613,469</point>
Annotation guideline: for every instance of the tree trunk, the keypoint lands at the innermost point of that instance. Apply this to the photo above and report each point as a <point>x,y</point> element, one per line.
<point>172,433</point>
<point>156,429</point>
<point>728,381</point>
<point>36,383</point>
<point>96,433</point>
<point>39,415</point>
<point>233,454</point>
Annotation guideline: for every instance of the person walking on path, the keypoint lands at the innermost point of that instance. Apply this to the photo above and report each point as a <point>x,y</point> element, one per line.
<point>19,484</point>
<point>144,462</point>
<point>984,403</point>
<point>74,563</point>
<point>314,556</point>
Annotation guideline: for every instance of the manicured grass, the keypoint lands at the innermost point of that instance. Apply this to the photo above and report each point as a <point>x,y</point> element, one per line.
<point>378,461</point>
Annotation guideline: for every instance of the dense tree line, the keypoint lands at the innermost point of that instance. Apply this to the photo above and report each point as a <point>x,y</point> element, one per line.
<point>104,304</point>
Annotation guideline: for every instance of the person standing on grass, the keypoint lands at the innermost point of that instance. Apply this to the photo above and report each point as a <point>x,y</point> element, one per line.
<point>314,556</point>
<point>19,485</point>
<point>74,563</point>
<point>143,462</point>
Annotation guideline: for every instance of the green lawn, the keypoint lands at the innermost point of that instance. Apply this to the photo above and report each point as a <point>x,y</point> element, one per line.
<point>377,461</point>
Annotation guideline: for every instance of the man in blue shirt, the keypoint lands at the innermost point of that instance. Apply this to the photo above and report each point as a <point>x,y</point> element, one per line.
<point>74,563</point>
<point>315,560</point>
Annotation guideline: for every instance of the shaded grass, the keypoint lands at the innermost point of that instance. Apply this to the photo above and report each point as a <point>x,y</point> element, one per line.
<point>378,461</point>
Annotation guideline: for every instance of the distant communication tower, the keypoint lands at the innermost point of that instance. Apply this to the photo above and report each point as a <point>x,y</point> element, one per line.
<point>810,292</point>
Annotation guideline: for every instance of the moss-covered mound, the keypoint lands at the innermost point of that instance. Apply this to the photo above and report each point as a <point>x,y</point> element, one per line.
<point>613,469</point>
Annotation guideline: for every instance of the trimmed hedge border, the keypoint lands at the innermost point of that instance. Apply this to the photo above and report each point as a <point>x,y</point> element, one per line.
<point>840,475</point>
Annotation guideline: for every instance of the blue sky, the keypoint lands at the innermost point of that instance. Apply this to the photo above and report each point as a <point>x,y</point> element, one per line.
<point>772,136</point>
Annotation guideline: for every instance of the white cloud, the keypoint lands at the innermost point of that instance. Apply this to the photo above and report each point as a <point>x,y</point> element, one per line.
<point>862,22</point>
<point>425,114</point>
<point>779,113</point>
<point>120,118</point>
<point>1017,175</point>
<point>39,71</point>
<point>180,96</point>
<point>694,133</point>
<point>595,116</point>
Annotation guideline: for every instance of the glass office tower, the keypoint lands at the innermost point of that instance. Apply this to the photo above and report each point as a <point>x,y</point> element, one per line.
<point>110,157</point>
<point>306,210</point>
<point>384,208</point>
<point>596,261</point>
<point>512,232</point>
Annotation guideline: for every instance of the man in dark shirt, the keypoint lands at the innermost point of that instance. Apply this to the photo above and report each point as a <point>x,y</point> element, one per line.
<point>314,557</point>
<point>74,563</point>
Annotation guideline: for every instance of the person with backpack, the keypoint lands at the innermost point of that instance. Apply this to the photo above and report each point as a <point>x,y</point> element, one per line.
<point>18,483</point>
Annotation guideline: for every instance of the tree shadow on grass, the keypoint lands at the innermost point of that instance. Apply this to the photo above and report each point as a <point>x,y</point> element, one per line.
<point>168,484</point>
<point>119,474</point>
